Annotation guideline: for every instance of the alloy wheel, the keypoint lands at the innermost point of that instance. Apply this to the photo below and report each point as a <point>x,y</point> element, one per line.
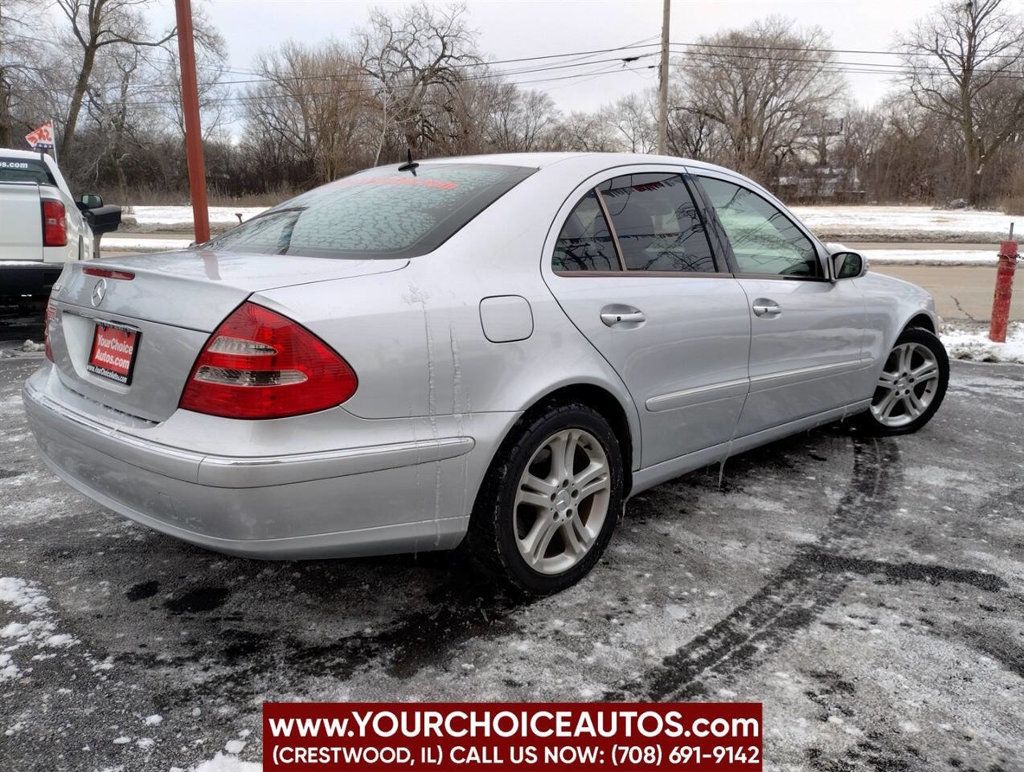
<point>907,385</point>
<point>562,501</point>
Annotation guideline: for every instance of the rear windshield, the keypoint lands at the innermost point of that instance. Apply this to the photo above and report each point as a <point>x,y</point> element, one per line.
<point>379,213</point>
<point>22,170</point>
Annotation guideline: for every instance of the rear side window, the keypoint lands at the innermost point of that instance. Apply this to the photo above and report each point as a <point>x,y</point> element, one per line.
<point>763,239</point>
<point>657,224</point>
<point>25,170</point>
<point>585,243</point>
<point>380,213</point>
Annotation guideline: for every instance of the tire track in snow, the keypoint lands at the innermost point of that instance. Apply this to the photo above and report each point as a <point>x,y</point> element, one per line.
<point>802,590</point>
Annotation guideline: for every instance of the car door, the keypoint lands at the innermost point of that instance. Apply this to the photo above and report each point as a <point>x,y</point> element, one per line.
<point>807,349</point>
<point>631,265</point>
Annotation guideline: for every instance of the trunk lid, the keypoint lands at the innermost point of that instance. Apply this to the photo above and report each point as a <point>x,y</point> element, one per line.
<point>172,302</point>
<point>197,289</point>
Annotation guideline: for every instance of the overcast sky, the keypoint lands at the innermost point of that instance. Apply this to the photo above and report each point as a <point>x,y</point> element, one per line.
<point>519,28</point>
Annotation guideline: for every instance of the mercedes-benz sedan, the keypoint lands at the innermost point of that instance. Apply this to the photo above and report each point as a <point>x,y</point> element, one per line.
<point>492,351</point>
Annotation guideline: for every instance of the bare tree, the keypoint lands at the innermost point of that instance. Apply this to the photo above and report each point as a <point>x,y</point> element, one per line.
<point>519,121</point>
<point>585,132</point>
<point>109,104</point>
<point>211,64</point>
<point>632,122</point>
<point>966,65</point>
<point>313,109</point>
<point>95,25</point>
<point>15,58</point>
<point>416,58</point>
<point>764,86</point>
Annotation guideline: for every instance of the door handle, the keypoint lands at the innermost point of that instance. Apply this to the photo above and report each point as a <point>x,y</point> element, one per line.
<point>766,307</point>
<point>622,316</point>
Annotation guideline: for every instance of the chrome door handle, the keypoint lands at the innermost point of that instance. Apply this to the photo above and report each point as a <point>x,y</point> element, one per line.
<point>622,316</point>
<point>766,307</point>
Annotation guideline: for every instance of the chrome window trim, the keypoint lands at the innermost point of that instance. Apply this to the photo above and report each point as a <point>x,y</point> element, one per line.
<point>593,183</point>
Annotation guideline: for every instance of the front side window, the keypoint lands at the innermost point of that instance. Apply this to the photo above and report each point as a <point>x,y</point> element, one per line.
<point>380,213</point>
<point>763,239</point>
<point>657,224</point>
<point>585,242</point>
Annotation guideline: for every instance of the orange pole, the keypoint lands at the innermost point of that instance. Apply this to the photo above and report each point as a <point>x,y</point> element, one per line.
<point>1004,291</point>
<point>193,131</point>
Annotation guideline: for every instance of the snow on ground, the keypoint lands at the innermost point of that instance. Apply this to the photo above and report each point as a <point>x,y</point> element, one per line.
<point>40,631</point>
<point>931,256</point>
<point>182,215</point>
<point>114,243</point>
<point>975,345</point>
<point>907,223</point>
<point>27,347</point>
<point>228,763</point>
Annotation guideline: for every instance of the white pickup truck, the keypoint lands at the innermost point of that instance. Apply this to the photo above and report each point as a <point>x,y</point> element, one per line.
<point>42,226</point>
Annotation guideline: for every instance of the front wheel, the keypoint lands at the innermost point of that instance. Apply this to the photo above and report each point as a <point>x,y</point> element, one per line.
<point>550,501</point>
<point>910,387</point>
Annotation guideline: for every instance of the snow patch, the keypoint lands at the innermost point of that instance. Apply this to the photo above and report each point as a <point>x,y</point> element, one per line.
<point>40,631</point>
<point>227,763</point>
<point>182,215</point>
<point>128,244</point>
<point>974,345</point>
<point>931,256</point>
<point>907,223</point>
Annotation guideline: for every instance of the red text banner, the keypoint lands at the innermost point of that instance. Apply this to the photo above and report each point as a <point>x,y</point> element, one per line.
<point>539,737</point>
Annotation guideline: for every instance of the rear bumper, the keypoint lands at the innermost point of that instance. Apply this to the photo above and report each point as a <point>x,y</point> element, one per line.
<point>20,279</point>
<point>345,502</point>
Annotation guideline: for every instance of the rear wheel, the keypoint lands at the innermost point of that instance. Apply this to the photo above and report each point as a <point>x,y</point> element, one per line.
<point>550,501</point>
<point>910,387</point>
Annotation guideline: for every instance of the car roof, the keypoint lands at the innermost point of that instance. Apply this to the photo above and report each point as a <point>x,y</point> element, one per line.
<point>542,160</point>
<point>598,161</point>
<point>26,154</point>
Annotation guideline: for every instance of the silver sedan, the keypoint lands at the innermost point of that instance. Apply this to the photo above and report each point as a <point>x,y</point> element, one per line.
<point>492,351</point>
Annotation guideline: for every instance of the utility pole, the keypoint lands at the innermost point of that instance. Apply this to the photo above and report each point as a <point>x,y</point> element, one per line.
<point>193,130</point>
<point>663,83</point>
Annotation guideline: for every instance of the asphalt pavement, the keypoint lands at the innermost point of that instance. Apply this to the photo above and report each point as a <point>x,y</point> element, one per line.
<point>961,292</point>
<point>869,592</point>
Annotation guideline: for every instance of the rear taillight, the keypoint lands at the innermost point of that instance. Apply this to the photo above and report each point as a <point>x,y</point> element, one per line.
<point>259,364</point>
<point>49,320</point>
<point>55,227</point>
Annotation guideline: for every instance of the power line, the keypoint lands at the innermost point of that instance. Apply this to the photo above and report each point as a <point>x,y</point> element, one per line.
<point>248,98</point>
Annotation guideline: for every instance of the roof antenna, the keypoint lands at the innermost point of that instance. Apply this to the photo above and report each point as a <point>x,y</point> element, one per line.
<point>410,165</point>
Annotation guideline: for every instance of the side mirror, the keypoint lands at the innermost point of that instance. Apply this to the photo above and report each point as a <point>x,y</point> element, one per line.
<point>91,201</point>
<point>103,219</point>
<point>848,265</point>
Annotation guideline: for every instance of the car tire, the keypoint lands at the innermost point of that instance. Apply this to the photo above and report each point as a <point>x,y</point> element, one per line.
<point>538,527</point>
<point>911,386</point>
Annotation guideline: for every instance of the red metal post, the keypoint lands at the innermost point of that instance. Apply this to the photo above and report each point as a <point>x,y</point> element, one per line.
<point>193,131</point>
<point>1004,291</point>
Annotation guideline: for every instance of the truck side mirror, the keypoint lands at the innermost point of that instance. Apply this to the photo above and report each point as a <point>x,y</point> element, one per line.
<point>91,201</point>
<point>103,219</point>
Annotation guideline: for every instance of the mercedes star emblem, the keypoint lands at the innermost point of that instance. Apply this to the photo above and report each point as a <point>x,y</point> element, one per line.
<point>98,291</point>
